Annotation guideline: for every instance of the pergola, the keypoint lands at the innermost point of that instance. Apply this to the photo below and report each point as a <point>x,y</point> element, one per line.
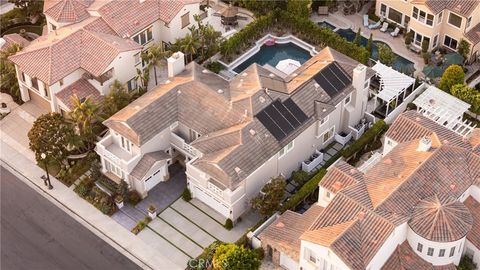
<point>444,109</point>
<point>393,84</point>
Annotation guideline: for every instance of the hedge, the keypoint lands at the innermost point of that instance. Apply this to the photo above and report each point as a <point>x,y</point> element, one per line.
<point>368,137</point>
<point>306,190</point>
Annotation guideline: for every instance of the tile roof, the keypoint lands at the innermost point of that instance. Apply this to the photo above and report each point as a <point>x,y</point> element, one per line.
<point>406,181</point>
<point>284,233</point>
<point>129,17</point>
<point>404,258</point>
<point>146,163</point>
<point>462,7</point>
<point>474,235</point>
<point>11,39</point>
<point>52,57</point>
<point>67,11</point>
<point>473,35</point>
<point>82,89</point>
<point>441,218</point>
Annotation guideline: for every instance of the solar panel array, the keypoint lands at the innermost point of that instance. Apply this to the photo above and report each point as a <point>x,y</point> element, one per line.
<point>281,119</point>
<point>333,79</point>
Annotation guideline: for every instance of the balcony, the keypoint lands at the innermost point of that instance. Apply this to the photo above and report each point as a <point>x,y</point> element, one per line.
<point>183,144</point>
<point>358,129</point>
<point>343,138</point>
<point>311,163</point>
<point>117,155</point>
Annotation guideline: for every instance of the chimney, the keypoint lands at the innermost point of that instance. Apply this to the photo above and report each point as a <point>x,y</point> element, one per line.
<point>424,145</point>
<point>176,64</point>
<point>359,77</point>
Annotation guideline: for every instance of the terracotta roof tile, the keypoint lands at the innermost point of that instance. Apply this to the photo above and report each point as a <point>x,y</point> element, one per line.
<point>82,89</point>
<point>67,11</point>
<point>462,7</point>
<point>474,234</point>
<point>15,38</point>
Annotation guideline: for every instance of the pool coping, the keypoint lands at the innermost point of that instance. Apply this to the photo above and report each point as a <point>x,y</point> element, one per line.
<point>259,43</point>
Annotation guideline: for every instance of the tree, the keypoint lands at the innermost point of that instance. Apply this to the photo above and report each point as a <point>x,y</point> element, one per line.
<point>84,114</point>
<point>269,202</point>
<point>453,75</point>
<point>358,38</point>
<point>50,134</point>
<point>155,54</point>
<point>408,38</point>
<point>299,8</point>
<point>425,44</point>
<point>190,44</point>
<point>463,48</point>
<point>117,99</point>
<point>29,7</point>
<point>469,95</point>
<point>466,263</point>
<point>8,75</point>
<point>369,46</point>
<point>233,257</point>
<point>386,55</point>
<point>143,76</point>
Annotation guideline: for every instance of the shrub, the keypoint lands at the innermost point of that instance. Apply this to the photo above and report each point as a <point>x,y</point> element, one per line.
<point>426,57</point>
<point>411,106</point>
<point>463,48</point>
<point>369,136</point>
<point>408,38</point>
<point>133,197</point>
<point>228,224</point>
<point>300,177</point>
<point>306,190</point>
<point>260,253</point>
<point>233,257</point>
<point>466,263</point>
<point>84,187</point>
<point>453,75</point>
<point>425,44</point>
<point>101,200</point>
<point>215,67</point>
<point>242,241</point>
<point>206,257</point>
<point>385,55</point>
<point>141,225</point>
<point>186,195</point>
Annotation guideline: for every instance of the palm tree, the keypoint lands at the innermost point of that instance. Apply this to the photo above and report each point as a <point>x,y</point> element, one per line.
<point>84,114</point>
<point>155,54</point>
<point>189,45</point>
<point>143,77</point>
<point>115,100</point>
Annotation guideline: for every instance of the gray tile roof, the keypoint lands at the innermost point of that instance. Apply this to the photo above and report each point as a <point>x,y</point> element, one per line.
<point>146,163</point>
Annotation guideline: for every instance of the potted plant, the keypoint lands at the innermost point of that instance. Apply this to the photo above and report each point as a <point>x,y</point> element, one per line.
<point>152,211</point>
<point>119,201</point>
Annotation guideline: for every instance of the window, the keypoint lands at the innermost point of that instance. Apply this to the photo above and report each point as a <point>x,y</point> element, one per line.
<point>469,21</point>
<point>435,40</point>
<point>35,83</point>
<point>150,33</point>
<point>455,20</point>
<point>328,134</point>
<point>137,58</point>
<point>415,13</point>
<point>324,120</point>
<point>45,88</point>
<point>185,19</point>
<point>419,247</point>
<point>441,253</point>
<point>452,251</point>
<point>132,84</point>
<point>125,144</point>
<point>310,256</point>
<point>286,149</point>
<point>439,17</point>
<point>113,169</point>
<point>450,42</point>
<point>430,19</point>
<point>418,39</point>
<point>421,16</point>
<point>144,37</point>
<point>430,251</point>
<point>367,83</point>
<point>23,76</point>
<point>348,99</point>
<point>395,15</point>
<point>328,194</point>
<point>383,10</point>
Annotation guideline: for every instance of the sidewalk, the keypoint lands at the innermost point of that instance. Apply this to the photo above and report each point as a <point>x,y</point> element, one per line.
<point>103,226</point>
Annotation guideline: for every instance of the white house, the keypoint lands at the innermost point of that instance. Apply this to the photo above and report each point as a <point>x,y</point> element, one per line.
<point>234,136</point>
<point>417,208</point>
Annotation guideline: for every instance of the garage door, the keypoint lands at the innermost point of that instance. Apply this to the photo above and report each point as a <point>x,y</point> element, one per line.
<point>39,101</point>
<point>154,179</point>
<point>288,262</point>
<point>212,202</point>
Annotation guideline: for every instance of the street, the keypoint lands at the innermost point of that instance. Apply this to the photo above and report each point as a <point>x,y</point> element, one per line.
<point>36,234</point>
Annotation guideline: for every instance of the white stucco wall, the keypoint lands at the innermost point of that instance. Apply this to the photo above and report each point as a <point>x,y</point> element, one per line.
<point>326,259</point>
<point>174,29</point>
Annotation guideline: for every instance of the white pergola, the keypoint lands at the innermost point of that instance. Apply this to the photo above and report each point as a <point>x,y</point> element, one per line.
<point>444,109</point>
<point>392,84</point>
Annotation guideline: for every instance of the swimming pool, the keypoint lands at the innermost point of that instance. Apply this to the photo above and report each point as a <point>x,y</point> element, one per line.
<point>273,54</point>
<point>401,64</point>
<point>325,24</point>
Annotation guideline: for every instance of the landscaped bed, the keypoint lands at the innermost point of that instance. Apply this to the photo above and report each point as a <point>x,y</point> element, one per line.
<point>101,200</point>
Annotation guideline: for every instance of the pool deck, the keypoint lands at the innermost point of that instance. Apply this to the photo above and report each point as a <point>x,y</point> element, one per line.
<point>356,20</point>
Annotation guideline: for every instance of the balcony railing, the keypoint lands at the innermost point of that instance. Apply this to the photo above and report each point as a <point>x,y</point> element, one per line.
<point>342,138</point>
<point>314,160</point>
<point>115,154</point>
<point>180,143</point>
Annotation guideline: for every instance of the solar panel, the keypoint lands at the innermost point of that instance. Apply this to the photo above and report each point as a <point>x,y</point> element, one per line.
<point>281,119</point>
<point>332,79</point>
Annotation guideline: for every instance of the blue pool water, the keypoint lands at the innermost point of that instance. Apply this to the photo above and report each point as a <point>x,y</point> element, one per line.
<point>273,54</point>
<point>326,25</point>
<point>401,64</point>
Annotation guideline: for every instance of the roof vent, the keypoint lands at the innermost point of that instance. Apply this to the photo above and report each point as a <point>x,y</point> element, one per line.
<point>280,225</point>
<point>167,81</point>
<point>424,144</point>
<point>417,119</point>
<point>252,132</point>
<point>220,91</point>
<point>137,107</point>
<point>271,75</point>
<point>294,74</point>
<point>324,110</point>
<point>453,187</point>
<point>262,99</point>
<point>387,161</point>
<point>352,171</point>
<point>238,170</point>
<point>179,92</point>
<point>244,74</point>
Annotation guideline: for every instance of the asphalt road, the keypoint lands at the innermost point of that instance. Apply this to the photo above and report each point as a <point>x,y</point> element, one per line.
<point>36,234</point>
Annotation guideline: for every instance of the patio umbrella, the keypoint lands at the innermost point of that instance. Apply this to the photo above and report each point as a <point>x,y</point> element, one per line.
<point>288,66</point>
<point>453,59</point>
<point>432,71</point>
<point>229,15</point>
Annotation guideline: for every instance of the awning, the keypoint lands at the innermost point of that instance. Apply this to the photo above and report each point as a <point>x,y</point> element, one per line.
<point>392,82</point>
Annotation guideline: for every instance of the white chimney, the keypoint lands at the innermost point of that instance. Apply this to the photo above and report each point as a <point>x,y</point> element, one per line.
<point>359,77</point>
<point>176,64</point>
<point>424,145</point>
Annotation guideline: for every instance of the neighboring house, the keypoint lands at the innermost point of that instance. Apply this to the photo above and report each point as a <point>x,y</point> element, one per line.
<point>8,40</point>
<point>91,43</point>
<point>234,136</point>
<point>441,23</point>
<point>417,208</point>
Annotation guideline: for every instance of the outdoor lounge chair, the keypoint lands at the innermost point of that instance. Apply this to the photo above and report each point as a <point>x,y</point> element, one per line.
<point>395,32</point>
<point>365,20</point>
<point>375,25</point>
<point>384,27</point>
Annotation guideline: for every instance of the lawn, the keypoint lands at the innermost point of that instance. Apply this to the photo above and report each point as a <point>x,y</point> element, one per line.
<point>78,169</point>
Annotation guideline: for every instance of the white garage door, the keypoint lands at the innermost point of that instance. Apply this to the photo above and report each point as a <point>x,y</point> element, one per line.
<point>288,262</point>
<point>212,202</point>
<point>154,179</point>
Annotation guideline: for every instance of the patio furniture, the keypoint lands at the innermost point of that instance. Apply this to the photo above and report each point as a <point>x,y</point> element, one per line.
<point>229,15</point>
<point>395,32</point>
<point>384,27</point>
<point>375,25</point>
<point>414,49</point>
<point>323,10</point>
<point>348,8</point>
<point>365,20</point>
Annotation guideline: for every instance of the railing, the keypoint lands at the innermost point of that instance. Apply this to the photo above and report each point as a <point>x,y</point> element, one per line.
<point>374,159</point>
<point>343,139</point>
<point>124,164</point>
<point>180,143</point>
<point>315,160</point>
<point>358,129</point>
